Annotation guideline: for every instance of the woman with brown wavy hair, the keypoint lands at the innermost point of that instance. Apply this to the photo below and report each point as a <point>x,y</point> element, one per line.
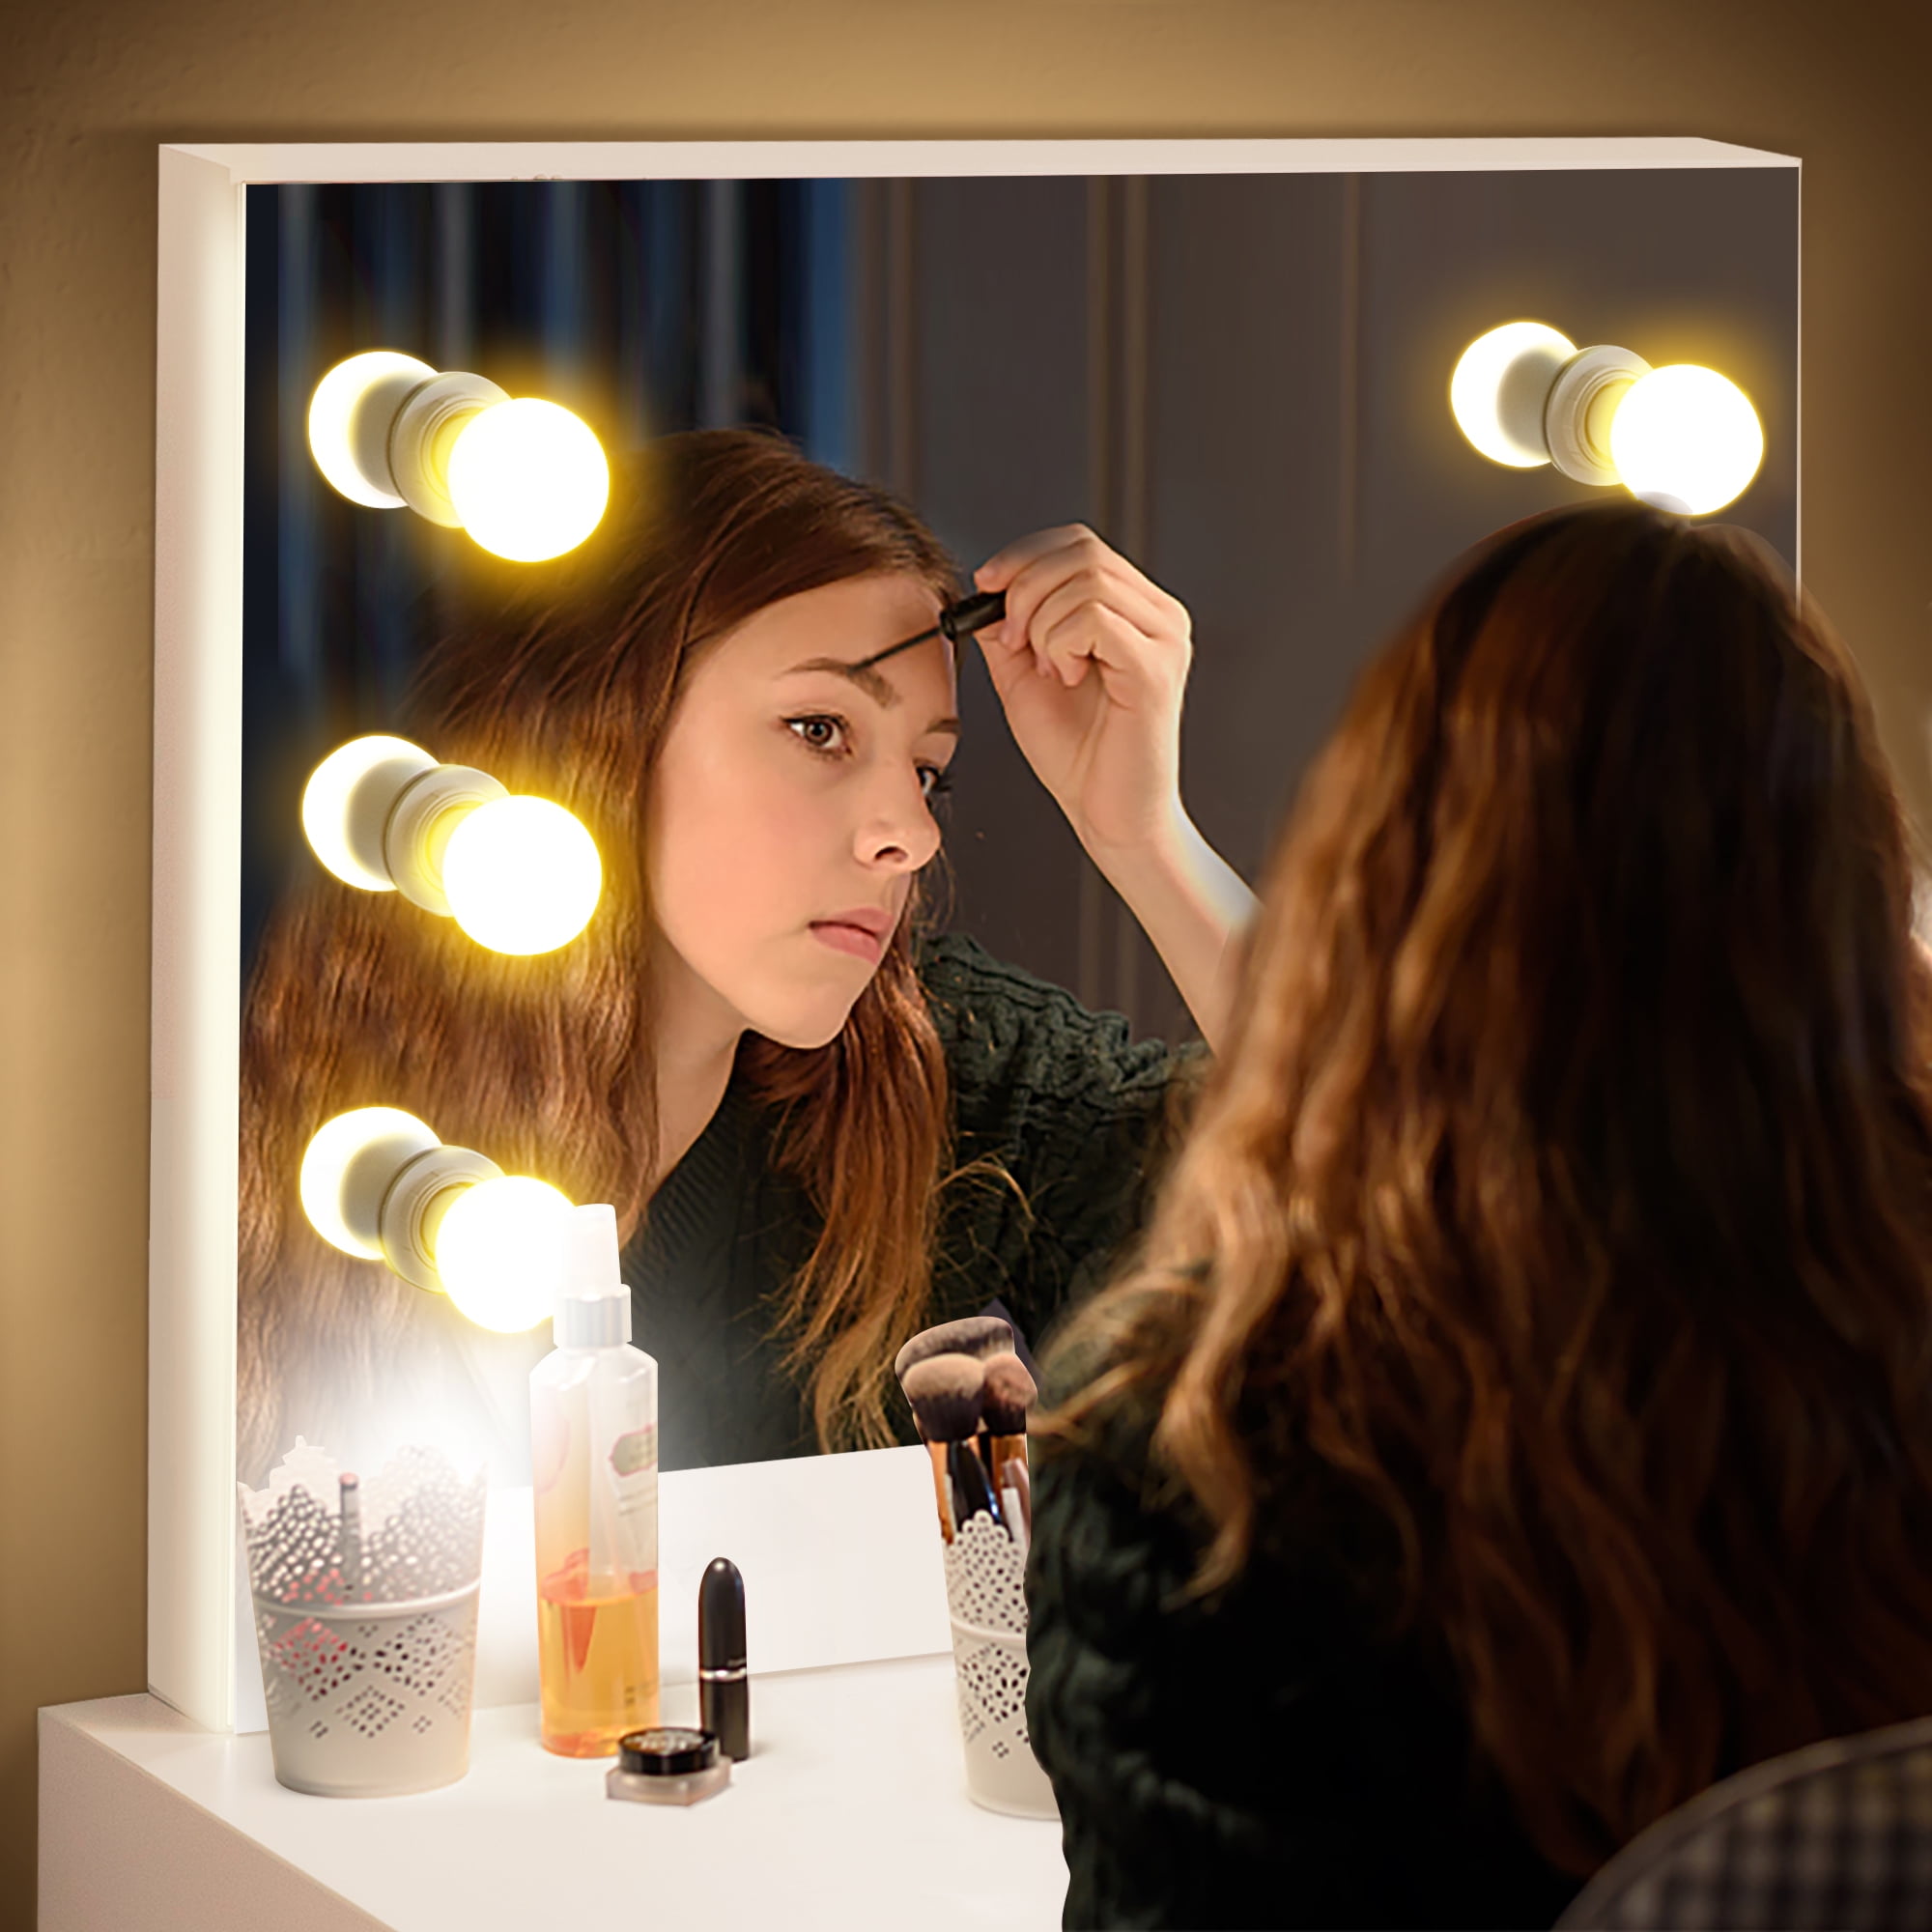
<point>821,1127</point>
<point>1522,1415</point>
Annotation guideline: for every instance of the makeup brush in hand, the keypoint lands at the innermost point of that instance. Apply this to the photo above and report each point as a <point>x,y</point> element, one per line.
<point>1007,1395</point>
<point>976,1335</point>
<point>943,1391</point>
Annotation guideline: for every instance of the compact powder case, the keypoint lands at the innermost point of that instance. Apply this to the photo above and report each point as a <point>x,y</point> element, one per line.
<point>667,1766</point>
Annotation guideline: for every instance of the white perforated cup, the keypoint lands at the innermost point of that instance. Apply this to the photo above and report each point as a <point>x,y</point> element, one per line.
<point>370,1700</point>
<point>985,1599</point>
<point>368,1634</point>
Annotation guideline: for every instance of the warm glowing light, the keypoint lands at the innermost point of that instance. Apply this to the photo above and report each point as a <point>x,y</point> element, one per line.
<point>325,807</point>
<point>1501,386</point>
<point>1686,438</point>
<point>500,1251</point>
<point>521,875</point>
<point>379,379</point>
<point>385,1136</point>
<point>528,480</point>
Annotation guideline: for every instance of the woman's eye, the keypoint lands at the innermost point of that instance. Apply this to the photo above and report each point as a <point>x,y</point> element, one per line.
<point>935,780</point>
<point>822,733</point>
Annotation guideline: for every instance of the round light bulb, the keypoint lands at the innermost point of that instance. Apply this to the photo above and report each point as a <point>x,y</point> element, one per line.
<point>500,1251</point>
<point>1500,388</point>
<point>380,376</point>
<point>1686,440</point>
<point>521,875</point>
<point>325,801</point>
<point>528,479</point>
<point>385,1134</point>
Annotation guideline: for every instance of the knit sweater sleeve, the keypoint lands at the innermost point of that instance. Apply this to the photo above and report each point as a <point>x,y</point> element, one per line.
<point>1260,1758</point>
<point>1061,1121</point>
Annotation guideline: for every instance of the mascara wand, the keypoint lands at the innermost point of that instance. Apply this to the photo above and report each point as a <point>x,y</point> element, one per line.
<point>958,620</point>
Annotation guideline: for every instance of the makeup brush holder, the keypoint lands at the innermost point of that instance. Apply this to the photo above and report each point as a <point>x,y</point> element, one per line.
<point>985,1599</point>
<point>368,1630</point>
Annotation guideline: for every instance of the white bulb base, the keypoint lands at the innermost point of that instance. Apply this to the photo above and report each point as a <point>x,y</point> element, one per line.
<point>418,1195</point>
<point>349,421</point>
<point>417,826</point>
<point>1581,404</point>
<point>427,423</point>
<point>347,1169</point>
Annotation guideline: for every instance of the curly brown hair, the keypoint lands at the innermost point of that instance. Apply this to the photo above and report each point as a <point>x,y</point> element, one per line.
<point>1565,1189</point>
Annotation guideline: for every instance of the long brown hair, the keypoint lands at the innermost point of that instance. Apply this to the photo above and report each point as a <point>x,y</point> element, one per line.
<point>1565,1189</point>
<point>563,681</point>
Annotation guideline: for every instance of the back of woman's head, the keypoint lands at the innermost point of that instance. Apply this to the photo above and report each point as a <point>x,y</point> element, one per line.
<point>1566,1188</point>
<point>561,679</point>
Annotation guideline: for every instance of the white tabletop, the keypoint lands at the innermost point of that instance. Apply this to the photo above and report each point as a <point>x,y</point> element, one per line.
<point>851,1813</point>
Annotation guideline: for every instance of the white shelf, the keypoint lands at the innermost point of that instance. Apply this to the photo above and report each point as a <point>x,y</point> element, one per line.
<point>851,1813</point>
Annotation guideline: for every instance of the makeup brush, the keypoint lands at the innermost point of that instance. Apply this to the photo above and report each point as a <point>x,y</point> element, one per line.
<point>1002,1411</point>
<point>972,1491</point>
<point>943,1391</point>
<point>1016,1487</point>
<point>976,1335</point>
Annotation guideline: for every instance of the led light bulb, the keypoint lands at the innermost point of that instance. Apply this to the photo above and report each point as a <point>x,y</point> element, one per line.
<point>341,815</point>
<point>349,419</point>
<point>347,1168</point>
<point>1502,382</point>
<point>521,875</point>
<point>1686,440</point>
<point>500,1251</point>
<point>527,480</point>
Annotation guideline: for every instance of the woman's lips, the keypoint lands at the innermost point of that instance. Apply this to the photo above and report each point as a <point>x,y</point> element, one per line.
<point>852,939</point>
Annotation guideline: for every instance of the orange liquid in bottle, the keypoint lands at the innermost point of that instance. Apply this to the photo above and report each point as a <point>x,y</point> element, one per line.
<point>598,1657</point>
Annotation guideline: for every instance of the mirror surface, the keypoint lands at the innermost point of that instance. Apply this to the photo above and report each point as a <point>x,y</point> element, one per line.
<point>1239,381</point>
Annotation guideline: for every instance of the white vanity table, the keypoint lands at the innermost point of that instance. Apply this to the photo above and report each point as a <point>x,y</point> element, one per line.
<point>852,1812</point>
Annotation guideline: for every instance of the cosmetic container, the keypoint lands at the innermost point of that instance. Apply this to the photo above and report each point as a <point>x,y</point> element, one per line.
<point>723,1689</point>
<point>667,1765</point>
<point>594,1468</point>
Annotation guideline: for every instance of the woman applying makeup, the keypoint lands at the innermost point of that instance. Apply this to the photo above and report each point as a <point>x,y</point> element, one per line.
<point>1520,1418</point>
<point>823,1128</point>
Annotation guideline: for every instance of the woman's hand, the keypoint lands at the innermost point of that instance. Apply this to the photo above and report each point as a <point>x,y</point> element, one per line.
<point>1090,664</point>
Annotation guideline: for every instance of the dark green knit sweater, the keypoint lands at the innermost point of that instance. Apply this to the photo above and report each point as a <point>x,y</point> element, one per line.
<point>1060,1097</point>
<point>1263,1758</point>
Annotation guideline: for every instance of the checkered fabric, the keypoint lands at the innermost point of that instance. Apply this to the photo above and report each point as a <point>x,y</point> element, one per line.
<point>1837,1837</point>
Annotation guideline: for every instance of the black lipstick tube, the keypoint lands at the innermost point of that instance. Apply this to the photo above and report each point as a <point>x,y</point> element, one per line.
<point>723,1685</point>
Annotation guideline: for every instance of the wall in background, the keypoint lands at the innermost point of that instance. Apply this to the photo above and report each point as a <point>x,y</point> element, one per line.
<point>90,89</point>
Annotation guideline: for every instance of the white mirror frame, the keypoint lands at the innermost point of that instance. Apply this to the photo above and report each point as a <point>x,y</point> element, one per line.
<point>844,1544</point>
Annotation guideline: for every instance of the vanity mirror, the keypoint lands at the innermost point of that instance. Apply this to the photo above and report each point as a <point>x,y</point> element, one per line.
<point>1232,359</point>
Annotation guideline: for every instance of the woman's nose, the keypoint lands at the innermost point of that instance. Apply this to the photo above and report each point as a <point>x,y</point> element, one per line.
<point>898,830</point>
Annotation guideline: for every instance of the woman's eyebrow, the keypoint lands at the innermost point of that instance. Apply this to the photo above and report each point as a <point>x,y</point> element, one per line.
<point>879,688</point>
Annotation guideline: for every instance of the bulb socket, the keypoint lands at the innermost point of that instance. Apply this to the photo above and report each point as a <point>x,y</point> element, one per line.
<point>424,430</point>
<point>415,1203</point>
<point>1581,401</point>
<point>428,808</point>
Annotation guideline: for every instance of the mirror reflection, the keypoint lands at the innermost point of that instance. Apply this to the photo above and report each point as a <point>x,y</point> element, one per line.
<point>905,948</point>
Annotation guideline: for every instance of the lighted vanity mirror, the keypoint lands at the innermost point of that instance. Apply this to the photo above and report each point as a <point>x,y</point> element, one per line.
<point>1229,359</point>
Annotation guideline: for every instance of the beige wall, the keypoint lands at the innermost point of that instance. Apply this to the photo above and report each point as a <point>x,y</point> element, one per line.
<point>90,87</point>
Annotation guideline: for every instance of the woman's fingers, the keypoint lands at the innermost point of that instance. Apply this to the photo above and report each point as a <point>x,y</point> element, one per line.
<point>1144,644</point>
<point>1048,575</point>
<point>1136,671</point>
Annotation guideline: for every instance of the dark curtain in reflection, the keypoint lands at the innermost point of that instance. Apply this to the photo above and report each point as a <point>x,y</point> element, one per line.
<point>645,306</point>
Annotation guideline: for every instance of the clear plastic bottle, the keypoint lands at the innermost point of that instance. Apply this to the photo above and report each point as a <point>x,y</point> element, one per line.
<point>594,1447</point>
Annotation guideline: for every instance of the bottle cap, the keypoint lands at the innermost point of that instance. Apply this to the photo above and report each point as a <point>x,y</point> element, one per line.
<point>668,1751</point>
<point>721,1617</point>
<point>593,1307</point>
